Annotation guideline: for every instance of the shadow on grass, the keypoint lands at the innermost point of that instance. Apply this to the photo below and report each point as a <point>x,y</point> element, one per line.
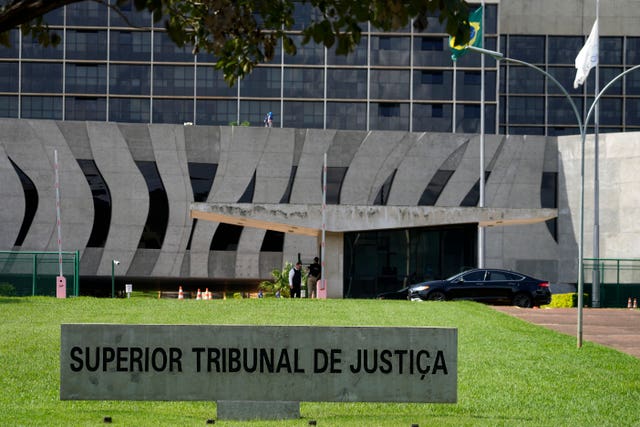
<point>10,300</point>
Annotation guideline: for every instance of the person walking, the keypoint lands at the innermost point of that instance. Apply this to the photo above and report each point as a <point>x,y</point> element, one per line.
<point>295,280</point>
<point>313,277</point>
<point>268,120</point>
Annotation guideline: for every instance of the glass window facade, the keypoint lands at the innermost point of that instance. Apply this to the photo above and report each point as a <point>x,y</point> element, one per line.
<point>402,80</point>
<point>387,260</point>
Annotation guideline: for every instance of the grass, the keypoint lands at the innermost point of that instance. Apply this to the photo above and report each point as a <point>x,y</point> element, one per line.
<point>510,373</point>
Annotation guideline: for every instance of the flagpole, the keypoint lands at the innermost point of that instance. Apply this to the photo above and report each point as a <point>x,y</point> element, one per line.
<point>481,201</point>
<point>453,120</point>
<point>595,288</point>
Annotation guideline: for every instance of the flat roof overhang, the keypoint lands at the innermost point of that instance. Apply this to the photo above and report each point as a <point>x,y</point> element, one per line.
<point>307,219</point>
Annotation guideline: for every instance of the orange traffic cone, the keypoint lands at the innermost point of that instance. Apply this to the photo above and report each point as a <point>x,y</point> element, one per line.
<point>629,303</point>
<point>180,293</point>
<point>635,303</point>
<point>199,295</point>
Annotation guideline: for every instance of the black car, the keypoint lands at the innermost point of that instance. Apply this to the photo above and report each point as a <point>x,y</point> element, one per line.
<point>486,285</point>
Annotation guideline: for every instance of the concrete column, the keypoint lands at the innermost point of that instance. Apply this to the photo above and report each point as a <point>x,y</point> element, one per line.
<point>334,264</point>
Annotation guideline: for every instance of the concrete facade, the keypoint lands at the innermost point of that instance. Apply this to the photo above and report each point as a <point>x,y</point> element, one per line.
<point>568,17</point>
<point>513,193</point>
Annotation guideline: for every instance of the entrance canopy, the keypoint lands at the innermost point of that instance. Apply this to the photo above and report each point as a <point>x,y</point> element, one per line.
<point>306,219</point>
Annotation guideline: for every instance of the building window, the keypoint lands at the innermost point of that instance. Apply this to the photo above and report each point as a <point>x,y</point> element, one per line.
<point>130,79</point>
<point>41,107</point>
<point>391,116</point>
<point>346,84</point>
<point>303,82</point>
<point>473,196</point>
<point>254,112</point>
<point>210,82</point>
<point>273,241</point>
<point>563,50</point>
<point>85,108</point>
<point>201,176</point>
<point>432,43</point>
<point>132,110</point>
<point>389,109</point>
<point>164,49</point>
<point>471,111</point>
<point>432,117</point>
<point>286,197</point>
<point>384,43</point>
<point>549,199</point>
<point>158,216</point>
<point>472,78</point>
<point>41,77</point>
<point>9,106</point>
<point>86,14</point>
<point>86,44</point>
<point>173,111</point>
<point>101,203</point>
<point>432,77</point>
<point>33,49</point>
<point>526,110</point>
<point>303,115</point>
<point>262,82</point>
<point>309,54</point>
<point>86,79</point>
<point>390,84</point>
<point>527,48</point>
<point>335,177</point>
<point>435,187</point>
<point>437,110</point>
<point>383,195</point>
<point>9,77</point>
<point>226,237</point>
<point>30,203</point>
<point>173,80</point>
<point>347,115</point>
<point>130,45</point>
<point>247,196</point>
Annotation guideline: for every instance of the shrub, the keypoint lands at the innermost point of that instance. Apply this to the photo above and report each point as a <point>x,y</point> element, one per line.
<point>565,300</point>
<point>7,289</point>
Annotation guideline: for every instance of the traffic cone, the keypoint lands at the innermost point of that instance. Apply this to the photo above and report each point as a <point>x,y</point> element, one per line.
<point>206,294</point>
<point>635,303</point>
<point>199,295</point>
<point>180,293</point>
<point>629,303</point>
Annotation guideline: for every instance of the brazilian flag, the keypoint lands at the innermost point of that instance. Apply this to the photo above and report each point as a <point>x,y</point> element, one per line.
<point>475,35</point>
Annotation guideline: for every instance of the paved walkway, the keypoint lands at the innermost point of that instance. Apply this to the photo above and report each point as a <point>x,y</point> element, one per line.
<point>613,327</point>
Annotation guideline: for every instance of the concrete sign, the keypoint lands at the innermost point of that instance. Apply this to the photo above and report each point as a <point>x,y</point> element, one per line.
<point>258,363</point>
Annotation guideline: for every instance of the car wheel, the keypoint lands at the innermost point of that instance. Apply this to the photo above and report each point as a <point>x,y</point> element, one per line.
<point>436,296</point>
<point>523,300</point>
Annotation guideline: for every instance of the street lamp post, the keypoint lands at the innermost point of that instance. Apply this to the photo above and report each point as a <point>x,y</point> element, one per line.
<point>583,136</point>
<point>500,57</point>
<point>114,262</point>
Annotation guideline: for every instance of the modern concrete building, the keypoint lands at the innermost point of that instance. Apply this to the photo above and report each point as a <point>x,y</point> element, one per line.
<point>397,119</point>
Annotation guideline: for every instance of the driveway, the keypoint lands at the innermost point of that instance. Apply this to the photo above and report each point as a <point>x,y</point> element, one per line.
<point>613,327</point>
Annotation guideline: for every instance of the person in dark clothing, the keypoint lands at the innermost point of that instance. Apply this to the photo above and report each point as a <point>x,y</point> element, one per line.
<point>314,276</point>
<point>295,280</point>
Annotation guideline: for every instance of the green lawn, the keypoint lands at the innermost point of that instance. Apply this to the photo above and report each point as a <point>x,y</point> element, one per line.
<point>510,373</point>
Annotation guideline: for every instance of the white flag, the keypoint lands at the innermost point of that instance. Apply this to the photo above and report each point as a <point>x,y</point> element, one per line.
<point>587,57</point>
